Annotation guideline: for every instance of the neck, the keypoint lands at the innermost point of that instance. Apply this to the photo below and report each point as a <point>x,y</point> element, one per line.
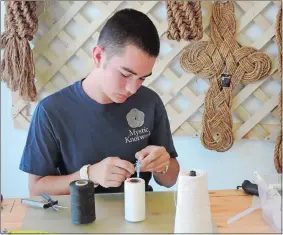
<point>91,86</point>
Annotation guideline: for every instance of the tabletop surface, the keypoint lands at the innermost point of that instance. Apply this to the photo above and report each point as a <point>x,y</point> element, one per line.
<point>160,210</point>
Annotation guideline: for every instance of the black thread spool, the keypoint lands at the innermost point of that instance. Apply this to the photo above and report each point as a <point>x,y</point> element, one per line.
<point>82,202</point>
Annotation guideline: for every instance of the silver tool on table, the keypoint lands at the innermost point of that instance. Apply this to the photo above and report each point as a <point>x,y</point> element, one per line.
<point>47,203</point>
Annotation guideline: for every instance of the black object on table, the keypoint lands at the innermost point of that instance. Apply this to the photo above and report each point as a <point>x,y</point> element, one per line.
<point>249,188</point>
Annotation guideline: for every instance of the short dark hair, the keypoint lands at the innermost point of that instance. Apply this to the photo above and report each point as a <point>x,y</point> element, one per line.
<point>129,26</point>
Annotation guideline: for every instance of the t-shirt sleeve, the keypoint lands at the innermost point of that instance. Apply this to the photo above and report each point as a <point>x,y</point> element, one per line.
<point>41,151</point>
<point>161,133</point>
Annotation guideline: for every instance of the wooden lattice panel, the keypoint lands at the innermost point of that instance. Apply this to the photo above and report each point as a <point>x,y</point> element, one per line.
<point>69,29</point>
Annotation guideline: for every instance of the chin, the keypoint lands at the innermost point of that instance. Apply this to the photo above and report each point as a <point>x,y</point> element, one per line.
<point>119,99</point>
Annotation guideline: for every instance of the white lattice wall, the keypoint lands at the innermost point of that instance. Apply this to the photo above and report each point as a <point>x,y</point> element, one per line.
<point>69,29</point>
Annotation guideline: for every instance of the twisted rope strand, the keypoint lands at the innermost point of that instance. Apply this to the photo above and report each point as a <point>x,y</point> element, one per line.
<point>18,71</point>
<point>222,54</point>
<point>184,20</point>
<point>278,145</point>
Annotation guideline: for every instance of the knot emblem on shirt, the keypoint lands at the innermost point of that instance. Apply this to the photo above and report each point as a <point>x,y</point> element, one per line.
<point>135,118</point>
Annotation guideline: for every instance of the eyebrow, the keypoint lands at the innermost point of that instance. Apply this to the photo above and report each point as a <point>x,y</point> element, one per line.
<point>131,71</point>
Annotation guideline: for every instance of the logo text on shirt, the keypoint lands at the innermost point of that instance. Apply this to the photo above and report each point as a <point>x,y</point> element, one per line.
<point>135,119</point>
<point>137,134</point>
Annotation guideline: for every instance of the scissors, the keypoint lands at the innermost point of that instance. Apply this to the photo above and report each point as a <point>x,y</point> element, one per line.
<point>47,203</point>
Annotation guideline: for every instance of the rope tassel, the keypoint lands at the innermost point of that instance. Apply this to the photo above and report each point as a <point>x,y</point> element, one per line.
<point>18,70</point>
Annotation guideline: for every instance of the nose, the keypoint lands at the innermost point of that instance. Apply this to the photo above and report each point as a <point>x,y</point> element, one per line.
<point>132,86</point>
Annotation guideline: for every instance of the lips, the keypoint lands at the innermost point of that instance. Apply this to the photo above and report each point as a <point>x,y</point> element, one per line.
<point>123,96</point>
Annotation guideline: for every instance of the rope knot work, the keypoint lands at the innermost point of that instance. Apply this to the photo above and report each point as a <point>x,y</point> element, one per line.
<point>184,20</point>
<point>18,71</point>
<point>278,145</point>
<point>222,55</point>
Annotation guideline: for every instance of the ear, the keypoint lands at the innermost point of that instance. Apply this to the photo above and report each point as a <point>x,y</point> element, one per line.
<point>97,55</point>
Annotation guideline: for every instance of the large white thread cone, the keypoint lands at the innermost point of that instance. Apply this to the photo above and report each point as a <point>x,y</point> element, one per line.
<point>135,205</point>
<point>193,206</point>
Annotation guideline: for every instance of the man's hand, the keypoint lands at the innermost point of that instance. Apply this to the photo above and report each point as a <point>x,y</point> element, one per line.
<point>153,158</point>
<point>111,172</point>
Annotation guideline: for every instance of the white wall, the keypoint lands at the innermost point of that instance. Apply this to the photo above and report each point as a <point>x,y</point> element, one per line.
<point>225,170</point>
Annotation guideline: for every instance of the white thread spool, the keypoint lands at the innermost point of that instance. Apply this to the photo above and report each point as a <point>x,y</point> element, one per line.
<point>134,199</point>
<point>193,206</point>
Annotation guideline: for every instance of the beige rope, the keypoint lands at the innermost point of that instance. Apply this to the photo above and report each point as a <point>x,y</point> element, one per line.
<point>17,67</point>
<point>278,146</point>
<point>222,54</point>
<point>184,20</point>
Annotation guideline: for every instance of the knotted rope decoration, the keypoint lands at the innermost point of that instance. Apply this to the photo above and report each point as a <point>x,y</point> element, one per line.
<point>222,54</point>
<point>184,20</point>
<point>18,69</point>
<point>278,146</point>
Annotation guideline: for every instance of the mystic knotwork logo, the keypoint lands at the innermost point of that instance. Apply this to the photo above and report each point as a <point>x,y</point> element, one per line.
<point>135,119</point>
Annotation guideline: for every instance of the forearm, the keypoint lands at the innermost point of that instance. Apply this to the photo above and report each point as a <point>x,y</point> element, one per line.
<point>53,185</point>
<point>170,177</point>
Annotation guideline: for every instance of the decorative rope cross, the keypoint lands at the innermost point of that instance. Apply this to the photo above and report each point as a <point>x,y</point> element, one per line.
<point>222,54</point>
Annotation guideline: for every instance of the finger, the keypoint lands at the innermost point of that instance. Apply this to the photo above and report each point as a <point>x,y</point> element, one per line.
<point>158,167</point>
<point>113,183</point>
<point>161,167</point>
<point>144,152</point>
<point>163,159</point>
<point>120,171</point>
<point>158,162</point>
<point>141,155</point>
<point>116,177</point>
<point>153,156</point>
<point>124,165</point>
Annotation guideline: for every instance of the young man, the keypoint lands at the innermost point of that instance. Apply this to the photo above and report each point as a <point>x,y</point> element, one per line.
<point>99,126</point>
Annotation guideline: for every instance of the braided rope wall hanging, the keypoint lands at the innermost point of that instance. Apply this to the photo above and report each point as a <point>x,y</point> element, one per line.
<point>69,29</point>
<point>17,66</point>
<point>184,20</point>
<point>222,54</point>
<point>278,146</point>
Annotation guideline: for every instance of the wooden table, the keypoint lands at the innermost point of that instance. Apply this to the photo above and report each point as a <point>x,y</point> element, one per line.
<point>224,205</point>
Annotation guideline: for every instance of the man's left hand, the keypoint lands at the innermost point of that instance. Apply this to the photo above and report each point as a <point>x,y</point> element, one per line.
<point>153,158</point>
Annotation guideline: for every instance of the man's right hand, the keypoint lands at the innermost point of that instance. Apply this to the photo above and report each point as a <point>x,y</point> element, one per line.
<point>111,172</point>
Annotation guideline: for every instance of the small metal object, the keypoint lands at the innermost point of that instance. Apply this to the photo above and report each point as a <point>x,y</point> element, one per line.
<point>35,203</point>
<point>193,173</point>
<point>47,203</point>
<point>50,201</point>
<point>225,80</point>
<point>163,171</point>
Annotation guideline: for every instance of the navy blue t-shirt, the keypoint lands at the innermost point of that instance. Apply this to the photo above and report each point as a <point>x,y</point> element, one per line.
<point>69,130</point>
